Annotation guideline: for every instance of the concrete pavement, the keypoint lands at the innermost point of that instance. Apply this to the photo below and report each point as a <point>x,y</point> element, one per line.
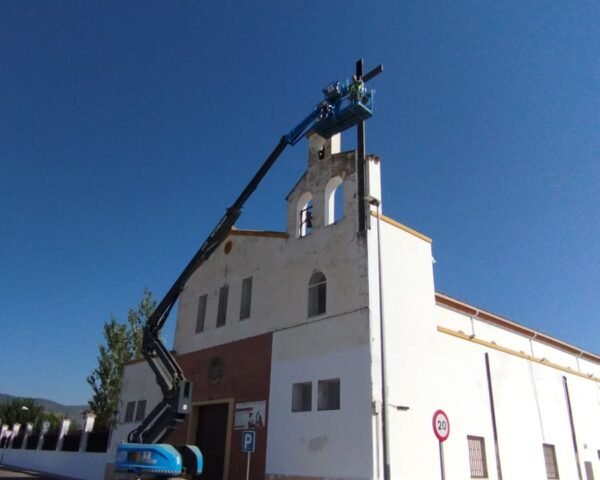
<point>7,473</point>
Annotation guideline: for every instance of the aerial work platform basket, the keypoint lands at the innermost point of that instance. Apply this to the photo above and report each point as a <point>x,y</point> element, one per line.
<point>346,113</point>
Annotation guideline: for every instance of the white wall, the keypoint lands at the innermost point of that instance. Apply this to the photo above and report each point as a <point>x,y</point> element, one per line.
<point>408,295</point>
<point>429,370</point>
<point>322,444</point>
<point>85,466</point>
<point>529,398</point>
<point>281,269</point>
<point>531,407</point>
<point>334,444</point>
<point>138,384</point>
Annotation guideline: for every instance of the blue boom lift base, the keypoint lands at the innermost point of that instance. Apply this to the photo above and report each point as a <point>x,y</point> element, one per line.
<point>158,459</point>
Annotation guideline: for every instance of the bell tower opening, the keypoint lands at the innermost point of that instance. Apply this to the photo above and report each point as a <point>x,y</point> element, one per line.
<point>334,200</point>
<point>304,215</point>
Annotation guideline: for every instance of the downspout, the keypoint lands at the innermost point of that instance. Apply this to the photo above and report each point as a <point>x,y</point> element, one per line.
<point>570,411</point>
<point>493,411</point>
<point>384,390</point>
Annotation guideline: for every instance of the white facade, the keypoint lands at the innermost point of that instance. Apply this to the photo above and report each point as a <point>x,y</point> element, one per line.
<point>436,350</point>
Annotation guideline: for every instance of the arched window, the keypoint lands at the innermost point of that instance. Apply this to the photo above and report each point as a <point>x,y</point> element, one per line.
<point>317,294</point>
<point>334,200</point>
<point>304,215</point>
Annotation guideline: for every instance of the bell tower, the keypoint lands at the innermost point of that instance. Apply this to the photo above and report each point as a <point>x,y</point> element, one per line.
<point>327,193</point>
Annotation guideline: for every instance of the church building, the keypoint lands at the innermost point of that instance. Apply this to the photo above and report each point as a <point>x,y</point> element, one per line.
<point>333,346</point>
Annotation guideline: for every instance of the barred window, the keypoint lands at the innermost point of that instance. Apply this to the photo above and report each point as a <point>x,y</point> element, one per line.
<point>550,460</point>
<point>302,397</point>
<point>129,412</point>
<point>477,460</point>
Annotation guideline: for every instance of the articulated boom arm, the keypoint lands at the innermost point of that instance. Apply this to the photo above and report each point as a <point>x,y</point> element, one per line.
<point>175,388</point>
<point>343,107</point>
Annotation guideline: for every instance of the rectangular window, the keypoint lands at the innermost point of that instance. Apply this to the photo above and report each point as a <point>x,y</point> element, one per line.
<point>246,303</point>
<point>329,394</point>
<point>477,459</point>
<point>550,459</point>
<point>140,412</point>
<point>222,312</point>
<point>302,397</point>
<point>317,294</point>
<point>201,316</point>
<point>129,412</point>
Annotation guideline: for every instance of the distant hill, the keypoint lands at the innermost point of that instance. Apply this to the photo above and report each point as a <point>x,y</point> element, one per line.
<point>70,411</point>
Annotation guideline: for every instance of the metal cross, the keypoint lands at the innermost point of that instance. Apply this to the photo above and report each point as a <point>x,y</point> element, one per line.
<point>361,149</point>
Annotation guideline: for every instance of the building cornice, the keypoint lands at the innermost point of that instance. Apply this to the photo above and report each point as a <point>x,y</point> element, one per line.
<point>494,319</point>
<point>399,225</point>
<point>257,233</point>
<point>494,346</point>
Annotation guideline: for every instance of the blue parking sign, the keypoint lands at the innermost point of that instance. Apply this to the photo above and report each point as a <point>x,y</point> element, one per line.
<point>248,441</point>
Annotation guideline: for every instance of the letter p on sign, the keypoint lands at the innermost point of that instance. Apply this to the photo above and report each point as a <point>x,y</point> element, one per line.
<point>248,441</point>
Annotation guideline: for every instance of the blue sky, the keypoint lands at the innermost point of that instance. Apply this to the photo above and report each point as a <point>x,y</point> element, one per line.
<point>127,128</point>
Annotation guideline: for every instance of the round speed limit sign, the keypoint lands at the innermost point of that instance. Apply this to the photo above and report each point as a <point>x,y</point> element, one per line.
<point>441,425</point>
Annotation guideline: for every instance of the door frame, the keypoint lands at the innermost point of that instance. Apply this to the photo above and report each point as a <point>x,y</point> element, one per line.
<point>191,437</point>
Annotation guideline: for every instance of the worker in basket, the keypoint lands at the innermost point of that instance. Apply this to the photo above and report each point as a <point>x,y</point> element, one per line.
<point>357,88</point>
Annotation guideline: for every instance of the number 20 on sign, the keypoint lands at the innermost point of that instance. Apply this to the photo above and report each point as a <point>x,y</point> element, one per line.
<point>441,429</point>
<point>441,425</point>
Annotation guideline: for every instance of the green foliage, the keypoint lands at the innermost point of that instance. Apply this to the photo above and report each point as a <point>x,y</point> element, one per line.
<point>136,320</point>
<point>27,410</point>
<point>123,343</point>
<point>54,419</point>
<point>21,410</point>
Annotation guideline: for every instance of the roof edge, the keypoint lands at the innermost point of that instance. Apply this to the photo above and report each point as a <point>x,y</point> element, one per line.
<point>401,226</point>
<point>258,233</point>
<point>492,318</point>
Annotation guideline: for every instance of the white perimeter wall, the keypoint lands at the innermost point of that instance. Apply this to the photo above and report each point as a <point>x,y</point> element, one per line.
<point>139,384</point>
<point>85,466</point>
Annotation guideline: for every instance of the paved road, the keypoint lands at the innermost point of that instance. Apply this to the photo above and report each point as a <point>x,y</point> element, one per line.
<point>7,474</point>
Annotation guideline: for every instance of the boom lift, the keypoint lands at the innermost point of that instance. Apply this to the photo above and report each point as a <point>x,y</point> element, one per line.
<point>343,106</point>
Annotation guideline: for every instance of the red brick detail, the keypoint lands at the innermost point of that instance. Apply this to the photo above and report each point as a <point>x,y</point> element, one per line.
<point>246,378</point>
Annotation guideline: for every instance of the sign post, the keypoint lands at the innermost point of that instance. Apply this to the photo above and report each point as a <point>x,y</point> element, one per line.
<point>441,429</point>
<point>248,446</point>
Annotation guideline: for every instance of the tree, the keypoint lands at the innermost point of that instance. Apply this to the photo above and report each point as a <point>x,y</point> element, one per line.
<point>123,343</point>
<point>54,421</point>
<point>21,410</point>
